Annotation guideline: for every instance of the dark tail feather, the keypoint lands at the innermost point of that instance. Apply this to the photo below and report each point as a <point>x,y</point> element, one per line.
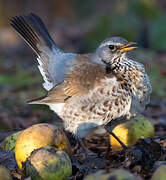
<point>37,100</point>
<point>32,29</point>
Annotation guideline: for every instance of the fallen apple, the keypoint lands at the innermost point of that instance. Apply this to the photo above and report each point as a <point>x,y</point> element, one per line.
<point>37,136</point>
<point>130,131</point>
<point>48,163</point>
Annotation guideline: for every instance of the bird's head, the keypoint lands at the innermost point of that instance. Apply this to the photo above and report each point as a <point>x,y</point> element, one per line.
<point>112,50</point>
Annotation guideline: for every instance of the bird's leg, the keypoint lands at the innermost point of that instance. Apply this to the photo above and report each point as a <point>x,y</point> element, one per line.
<point>121,143</point>
<point>109,130</point>
<point>85,149</point>
<point>108,149</point>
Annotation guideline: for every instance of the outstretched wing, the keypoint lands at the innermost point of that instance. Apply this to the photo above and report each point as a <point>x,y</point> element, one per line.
<point>51,59</point>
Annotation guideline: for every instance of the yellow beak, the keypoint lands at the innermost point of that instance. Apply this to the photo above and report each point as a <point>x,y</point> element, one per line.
<point>128,47</point>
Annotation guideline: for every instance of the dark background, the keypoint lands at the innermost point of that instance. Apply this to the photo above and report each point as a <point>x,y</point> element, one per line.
<point>79,26</point>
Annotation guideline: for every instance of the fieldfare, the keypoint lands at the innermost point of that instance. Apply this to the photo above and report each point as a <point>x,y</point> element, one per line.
<point>87,91</point>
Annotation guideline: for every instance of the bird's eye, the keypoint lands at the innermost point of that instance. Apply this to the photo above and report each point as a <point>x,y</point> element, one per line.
<point>112,47</point>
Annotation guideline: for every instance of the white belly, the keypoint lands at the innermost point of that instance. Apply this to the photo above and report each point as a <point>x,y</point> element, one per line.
<point>57,108</point>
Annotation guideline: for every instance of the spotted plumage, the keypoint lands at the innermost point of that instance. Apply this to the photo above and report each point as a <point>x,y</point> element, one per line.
<point>91,90</point>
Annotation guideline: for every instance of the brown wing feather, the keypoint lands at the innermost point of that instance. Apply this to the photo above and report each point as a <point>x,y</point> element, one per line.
<point>84,76</point>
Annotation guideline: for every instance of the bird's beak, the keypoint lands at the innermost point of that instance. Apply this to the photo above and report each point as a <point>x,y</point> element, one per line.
<point>128,47</point>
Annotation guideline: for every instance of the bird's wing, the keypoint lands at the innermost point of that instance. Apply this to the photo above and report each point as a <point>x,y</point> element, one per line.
<point>50,58</point>
<point>82,77</point>
<point>90,86</point>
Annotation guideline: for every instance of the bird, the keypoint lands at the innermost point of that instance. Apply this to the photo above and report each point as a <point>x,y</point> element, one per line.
<point>88,91</point>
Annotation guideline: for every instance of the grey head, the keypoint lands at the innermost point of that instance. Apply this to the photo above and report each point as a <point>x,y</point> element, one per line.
<point>112,51</point>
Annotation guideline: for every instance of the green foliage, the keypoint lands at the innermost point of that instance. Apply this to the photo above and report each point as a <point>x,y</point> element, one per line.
<point>144,8</point>
<point>153,67</point>
<point>99,32</point>
<point>126,26</point>
<point>157,34</point>
<point>107,27</point>
<point>157,82</point>
<point>128,19</point>
<point>20,77</point>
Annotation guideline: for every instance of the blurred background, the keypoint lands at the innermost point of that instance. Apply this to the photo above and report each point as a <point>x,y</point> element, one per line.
<point>79,26</point>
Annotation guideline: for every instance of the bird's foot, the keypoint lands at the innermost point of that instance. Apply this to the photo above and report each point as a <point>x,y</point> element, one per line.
<point>86,150</point>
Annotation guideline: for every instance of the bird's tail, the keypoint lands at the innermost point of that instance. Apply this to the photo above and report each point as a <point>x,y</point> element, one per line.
<point>32,29</point>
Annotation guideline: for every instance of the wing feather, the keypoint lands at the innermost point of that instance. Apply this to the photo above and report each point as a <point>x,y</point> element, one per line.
<point>51,59</point>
